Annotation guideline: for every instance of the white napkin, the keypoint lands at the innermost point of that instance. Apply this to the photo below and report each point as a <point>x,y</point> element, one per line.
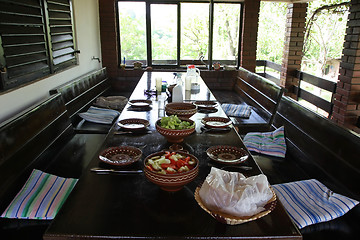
<point>234,194</point>
<point>99,115</point>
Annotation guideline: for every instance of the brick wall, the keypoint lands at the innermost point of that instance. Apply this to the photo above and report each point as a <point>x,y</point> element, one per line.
<point>249,34</point>
<point>347,98</point>
<point>293,45</point>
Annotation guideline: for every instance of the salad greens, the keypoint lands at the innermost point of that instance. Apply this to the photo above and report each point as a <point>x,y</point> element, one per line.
<point>173,122</point>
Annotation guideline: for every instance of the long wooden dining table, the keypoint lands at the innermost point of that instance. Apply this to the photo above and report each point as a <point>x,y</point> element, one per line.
<point>128,206</point>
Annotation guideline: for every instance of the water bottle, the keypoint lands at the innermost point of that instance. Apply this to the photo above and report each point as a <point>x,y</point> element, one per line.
<point>192,74</point>
<point>177,95</point>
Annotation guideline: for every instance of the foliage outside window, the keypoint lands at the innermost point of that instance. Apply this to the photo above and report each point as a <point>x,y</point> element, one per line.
<point>177,33</point>
<point>36,39</point>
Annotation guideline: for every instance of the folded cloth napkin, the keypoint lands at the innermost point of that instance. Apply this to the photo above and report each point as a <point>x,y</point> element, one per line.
<point>99,115</point>
<point>236,110</point>
<point>269,143</point>
<point>309,202</point>
<point>41,197</point>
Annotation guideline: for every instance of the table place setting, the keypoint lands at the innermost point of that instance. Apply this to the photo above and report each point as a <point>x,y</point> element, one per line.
<point>153,180</point>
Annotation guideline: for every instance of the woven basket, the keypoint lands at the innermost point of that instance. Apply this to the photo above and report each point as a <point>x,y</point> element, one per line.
<point>233,220</point>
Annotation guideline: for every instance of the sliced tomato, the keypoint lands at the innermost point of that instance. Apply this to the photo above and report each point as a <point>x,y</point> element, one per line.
<point>187,159</point>
<point>166,165</point>
<point>172,161</point>
<point>180,163</point>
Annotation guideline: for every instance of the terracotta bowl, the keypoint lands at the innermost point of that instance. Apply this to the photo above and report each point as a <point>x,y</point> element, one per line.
<point>173,135</point>
<point>171,182</point>
<point>120,156</point>
<point>181,109</point>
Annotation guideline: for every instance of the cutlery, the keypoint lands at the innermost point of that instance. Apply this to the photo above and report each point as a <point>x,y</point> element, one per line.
<point>131,132</point>
<point>246,168</point>
<point>107,171</point>
<point>203,130</point>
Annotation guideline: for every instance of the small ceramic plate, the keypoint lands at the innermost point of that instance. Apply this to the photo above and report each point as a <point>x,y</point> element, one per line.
<point>216,122</point>
<point>227,154</point>
<point>140,103</point>
<point>134,124</point>
<point>205,104</point>
<point>120,156</point>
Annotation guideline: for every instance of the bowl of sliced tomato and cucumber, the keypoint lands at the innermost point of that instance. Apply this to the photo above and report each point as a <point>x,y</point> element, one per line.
<point>171,171</point>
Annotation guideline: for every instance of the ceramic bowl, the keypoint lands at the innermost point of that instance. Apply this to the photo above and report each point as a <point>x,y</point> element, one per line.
<point>120,156</point>
<point>171,182</point>
<point>174,135</point>
<point>181,109</point>
<point>227,154</point>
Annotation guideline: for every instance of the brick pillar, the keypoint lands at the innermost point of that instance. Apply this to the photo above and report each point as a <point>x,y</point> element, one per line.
<point>293,46</point>
<point>346,110</point>
<point>108,36</point>
<point>249,34</point>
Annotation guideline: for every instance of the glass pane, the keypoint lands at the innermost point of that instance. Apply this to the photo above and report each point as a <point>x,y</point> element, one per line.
<point>226,32</point>
<point>133,31</point>
<point>194,31</point>
<point>164,33</point>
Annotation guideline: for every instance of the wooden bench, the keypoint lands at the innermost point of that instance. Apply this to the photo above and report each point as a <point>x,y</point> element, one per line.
<point>259,93</point>
<point>80,93</point>
<point>317,148</point>
<point>40,138</point>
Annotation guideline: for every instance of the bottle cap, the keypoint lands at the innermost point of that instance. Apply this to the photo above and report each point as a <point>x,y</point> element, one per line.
<point>191,66</point>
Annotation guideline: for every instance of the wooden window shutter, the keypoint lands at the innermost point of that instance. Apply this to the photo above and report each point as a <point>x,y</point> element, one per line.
<point>60,27</point>
<point>23,40</point>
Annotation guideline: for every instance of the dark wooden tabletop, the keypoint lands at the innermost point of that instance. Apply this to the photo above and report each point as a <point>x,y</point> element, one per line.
<point>119,206</point>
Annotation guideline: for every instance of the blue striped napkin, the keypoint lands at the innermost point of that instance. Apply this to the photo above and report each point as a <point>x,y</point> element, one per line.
<point>309,202</point>
<point>236,110</point>
<point>269,143</point>
<point>100,115</point>
<point>41,197</point>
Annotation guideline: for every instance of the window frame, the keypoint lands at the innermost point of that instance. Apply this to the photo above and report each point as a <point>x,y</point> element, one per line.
<point>180,63</point>
<point>59,47</point>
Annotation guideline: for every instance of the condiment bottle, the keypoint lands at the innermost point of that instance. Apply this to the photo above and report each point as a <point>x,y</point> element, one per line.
<point>177,92</point>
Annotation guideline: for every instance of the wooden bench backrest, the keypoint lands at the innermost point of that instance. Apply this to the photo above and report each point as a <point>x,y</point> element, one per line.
<point>79,93</point>
<point>24,138</point>
<point>259,92</point>
<point>334,149</point>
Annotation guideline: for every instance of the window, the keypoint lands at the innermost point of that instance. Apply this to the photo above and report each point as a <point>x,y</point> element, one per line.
<point>36,38</point>
<point>175,33</point>
<point>163,33</point>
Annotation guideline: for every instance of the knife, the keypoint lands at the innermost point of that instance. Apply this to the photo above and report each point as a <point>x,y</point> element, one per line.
<point>107,171</point>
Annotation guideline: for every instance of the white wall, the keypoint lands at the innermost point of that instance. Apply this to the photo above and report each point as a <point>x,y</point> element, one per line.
<point>87,28</point>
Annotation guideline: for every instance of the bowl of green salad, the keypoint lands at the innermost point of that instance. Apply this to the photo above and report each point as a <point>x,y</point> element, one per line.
<point>175,128</point>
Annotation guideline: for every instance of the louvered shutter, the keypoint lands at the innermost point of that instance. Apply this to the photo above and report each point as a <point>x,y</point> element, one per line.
<point>61,32</point>
<point>23,40</point>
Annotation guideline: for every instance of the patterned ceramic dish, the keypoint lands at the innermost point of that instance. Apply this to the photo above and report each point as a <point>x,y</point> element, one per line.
<point>174,135</point>
<point>120,156</point>
<point>180,109</point>
<point>216,122</point>
<point>233,220</point>
<point>134,124</point>
<point>206,104</point>
<point>227,154</point>
<point>140,103</point>
<point>171,182</point>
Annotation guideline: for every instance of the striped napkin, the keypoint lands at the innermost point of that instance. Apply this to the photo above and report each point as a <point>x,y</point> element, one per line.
<point>236,110</point>
<point>269,143</point>
<point>41,197</point>
<point>309,202</point>
<point>100,115</point>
